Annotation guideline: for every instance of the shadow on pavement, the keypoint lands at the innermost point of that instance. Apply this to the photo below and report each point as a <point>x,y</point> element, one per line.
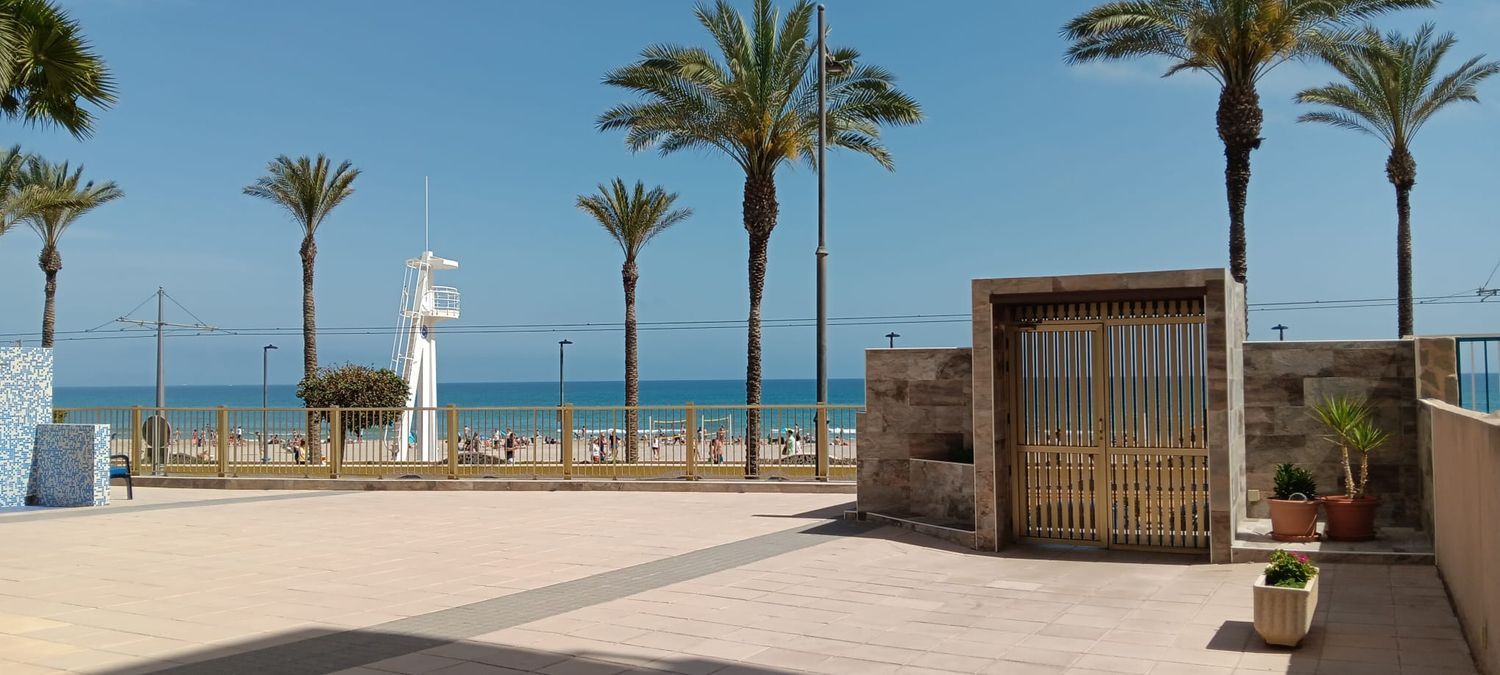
<point>834,512</point>
<point>313,652</point>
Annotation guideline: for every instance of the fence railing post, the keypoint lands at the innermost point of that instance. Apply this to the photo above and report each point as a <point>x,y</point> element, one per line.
<point>821,473</point>
<point>452,441</point>
<point>689,426</point>
<point>335,441</point>
<point>222,423</point>
<point>136,446</point>
<point>565,433</point>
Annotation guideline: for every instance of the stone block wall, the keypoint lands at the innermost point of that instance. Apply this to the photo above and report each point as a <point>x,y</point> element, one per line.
<point>918,405</point>
<point>943,491</point>
<point>1284,380</point>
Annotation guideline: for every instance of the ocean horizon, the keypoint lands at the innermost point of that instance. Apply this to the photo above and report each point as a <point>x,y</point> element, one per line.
<point>842,391</point>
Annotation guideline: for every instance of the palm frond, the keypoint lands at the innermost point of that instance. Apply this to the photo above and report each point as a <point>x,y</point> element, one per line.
<point>1391,86</point>
<point>632,217</point>
<point>50,72</point>
<point>51,197</point>
<point>306,188</point>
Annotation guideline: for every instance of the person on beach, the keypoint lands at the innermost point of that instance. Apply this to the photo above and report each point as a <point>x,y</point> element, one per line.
<point>655,447</point>
<point>614,441</point>
<point>297,444</point>
<point>510,446</point>
<point>716,446</point>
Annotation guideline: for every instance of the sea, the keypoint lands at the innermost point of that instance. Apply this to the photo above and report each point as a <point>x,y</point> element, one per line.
<point>844,391</point>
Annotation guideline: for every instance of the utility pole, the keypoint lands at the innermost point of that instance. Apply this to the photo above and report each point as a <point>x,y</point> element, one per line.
<point>158,432</point>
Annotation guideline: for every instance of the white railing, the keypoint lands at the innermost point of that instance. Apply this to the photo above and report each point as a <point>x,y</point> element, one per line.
<point>443,300</point>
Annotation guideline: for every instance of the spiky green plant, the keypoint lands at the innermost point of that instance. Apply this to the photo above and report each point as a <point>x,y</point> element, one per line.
<point>755,101</point>
<point>309,190</point>
<point>1350,428</point>
<point>1236,42</point>
<point>1391,88</point>
<point>48,70</point>
<point>74,198</point>
<point>632,218</point>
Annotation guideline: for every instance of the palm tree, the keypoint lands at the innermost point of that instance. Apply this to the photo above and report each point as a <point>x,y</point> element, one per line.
<point>48,70</point>
<point>12,195</point>
<point>1391,89</point>
<point>1236,42</point>
<point>50,221</point>
<point>757,103</point>
<point>632,218</point>
<point>309,192</point>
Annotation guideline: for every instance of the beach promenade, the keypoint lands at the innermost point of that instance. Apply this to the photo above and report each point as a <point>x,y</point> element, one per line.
<point>371,583</point>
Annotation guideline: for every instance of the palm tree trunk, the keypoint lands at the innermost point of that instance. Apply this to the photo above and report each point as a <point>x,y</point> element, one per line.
<point>760,210</point>
<point>1401,169</point>
<point>51,263</point>
<point>1239,120</point>
<point>630,274</point>
<point>309,253</point>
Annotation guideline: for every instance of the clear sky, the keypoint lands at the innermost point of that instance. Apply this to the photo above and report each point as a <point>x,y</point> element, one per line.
<point>1025,166</point>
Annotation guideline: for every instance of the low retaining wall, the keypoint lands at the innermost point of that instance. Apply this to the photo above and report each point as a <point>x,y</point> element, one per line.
<point>1465,447</point>
<point>942,490</point>
<point>918,406</point>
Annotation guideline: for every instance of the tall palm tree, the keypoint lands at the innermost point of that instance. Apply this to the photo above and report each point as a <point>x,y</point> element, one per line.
<point>1391,89</point>
<point>309,191</point>
<point>1236,42</point>
<point>48,70</point>
<point>50,221</point>
<point>757,102</point>
<point>632,218</point>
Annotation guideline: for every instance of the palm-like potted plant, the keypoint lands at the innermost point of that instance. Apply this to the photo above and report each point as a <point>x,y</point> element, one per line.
<point>1294,510</point>
<point>1351,516</point>
<point>1286,595</point>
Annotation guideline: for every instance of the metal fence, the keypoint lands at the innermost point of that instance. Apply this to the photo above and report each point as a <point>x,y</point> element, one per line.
<point>1479,373</point>
<point>564,442</point>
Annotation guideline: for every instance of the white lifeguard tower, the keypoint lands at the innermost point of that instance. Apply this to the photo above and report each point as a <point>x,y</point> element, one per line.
<point>414,354</point>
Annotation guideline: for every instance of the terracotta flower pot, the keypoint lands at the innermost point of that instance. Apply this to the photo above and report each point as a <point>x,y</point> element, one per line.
<point>1294,519</point>
<point>1350,519</point>
<point>1283,615</point>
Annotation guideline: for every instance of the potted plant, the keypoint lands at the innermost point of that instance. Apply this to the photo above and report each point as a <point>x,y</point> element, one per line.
<point>1285,597</point>
<point>1351,517</point>
<point>1294,510</point>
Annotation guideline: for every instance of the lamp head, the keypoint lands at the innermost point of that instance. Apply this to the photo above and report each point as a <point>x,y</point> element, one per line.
<point>565,341</point>
<point>269,347</point>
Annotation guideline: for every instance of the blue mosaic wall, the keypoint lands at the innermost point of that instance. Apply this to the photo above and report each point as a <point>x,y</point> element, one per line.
<point>25,402</point>
<point>71,465</point>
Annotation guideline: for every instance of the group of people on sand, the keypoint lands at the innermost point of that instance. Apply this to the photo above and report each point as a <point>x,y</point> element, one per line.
<point>510,441</point>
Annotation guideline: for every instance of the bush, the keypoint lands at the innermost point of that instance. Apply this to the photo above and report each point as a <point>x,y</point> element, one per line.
<point>356,386</point>
<point>1288,570</point>
<point>1292,479</point>
<point>59,416</point>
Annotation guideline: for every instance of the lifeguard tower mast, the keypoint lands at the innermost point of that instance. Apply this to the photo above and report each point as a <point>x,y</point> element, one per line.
<point>414,355</point>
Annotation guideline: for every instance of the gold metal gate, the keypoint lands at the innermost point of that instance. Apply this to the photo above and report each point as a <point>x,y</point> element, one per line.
<point>1108,423</point>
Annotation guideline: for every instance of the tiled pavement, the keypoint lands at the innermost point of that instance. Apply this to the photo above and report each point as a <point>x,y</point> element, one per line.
<point>582,583</point>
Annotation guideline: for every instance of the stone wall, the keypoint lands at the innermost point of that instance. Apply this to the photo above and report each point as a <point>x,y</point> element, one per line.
<point>1283,380</point>
<point>917,406</point>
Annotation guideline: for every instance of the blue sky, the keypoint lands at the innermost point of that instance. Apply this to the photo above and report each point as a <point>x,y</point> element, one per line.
<point>1025,166</point>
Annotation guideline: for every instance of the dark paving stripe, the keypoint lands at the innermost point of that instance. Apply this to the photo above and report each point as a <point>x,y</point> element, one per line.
<point>339,651</point>
<point>85,511</point>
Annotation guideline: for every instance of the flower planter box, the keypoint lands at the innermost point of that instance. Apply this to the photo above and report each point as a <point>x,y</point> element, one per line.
<point>1283,615</point>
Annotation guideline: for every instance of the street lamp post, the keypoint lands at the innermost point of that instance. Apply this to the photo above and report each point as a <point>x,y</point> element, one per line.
<point>892,337</point>
<point>265,363</point>
<point>560,345</point>
<point>1280,331</point>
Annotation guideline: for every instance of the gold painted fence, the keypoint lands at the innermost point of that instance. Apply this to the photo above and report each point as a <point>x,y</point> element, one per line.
<point>565,442</point>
